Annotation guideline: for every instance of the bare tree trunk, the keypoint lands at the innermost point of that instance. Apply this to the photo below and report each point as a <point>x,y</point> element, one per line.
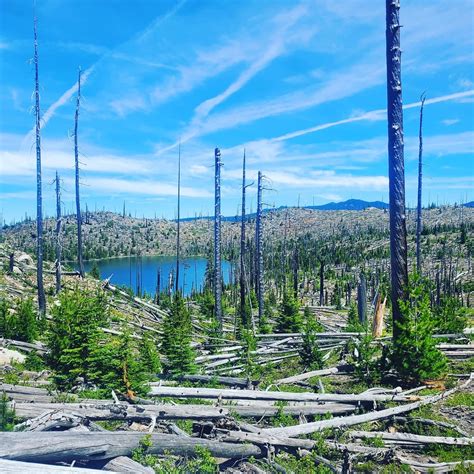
<point>39,198</point>
<point>259,245</point>
<point>178,223</point>
<point>321,284</point>
<point>80,263</point>
<point>420,174</point>
<point>362,300</point>
<point>396,167</point>
<point>58,234</point>
<point>217,240</point>
<point>243,314</point>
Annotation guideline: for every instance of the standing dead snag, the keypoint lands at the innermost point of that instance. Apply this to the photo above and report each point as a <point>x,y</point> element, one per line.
<point>243,311</point>
<point>420,174</point>
<point>80,263</point>
<point>58,234</point>
<point>39,198</point>
<point>362,300</point>
<point>217,240</point>
<point>396,165</point>
<point>259,248</point>
<point>178,223</point>
<point>321,283</point>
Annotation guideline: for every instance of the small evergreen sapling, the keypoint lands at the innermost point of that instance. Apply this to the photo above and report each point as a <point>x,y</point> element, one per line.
<point>290,319</point>
<point>176,339</point>
<point>310,353</point>
<point>415,356</point>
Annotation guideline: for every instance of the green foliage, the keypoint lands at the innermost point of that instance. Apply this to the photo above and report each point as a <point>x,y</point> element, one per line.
<point>310,353</point>
<point>149,357</point>
<point>364,358</point>
<point>95,271</point>
<point>290,319</point>
<point>415,356</point>
<point>34,362</point>
<point>450,316</point>
<point>19,323</point>
<point>176,339</point>
<point>7,416</point>
<point>249,344</point>
<point>353,324</point>
<point>79,351</point>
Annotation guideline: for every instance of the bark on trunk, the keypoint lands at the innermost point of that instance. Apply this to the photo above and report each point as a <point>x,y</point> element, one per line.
<point>80,263</point>
<point>58,234</point>
<point>39,198</point>
<point>420,174</point>
<point>259,246</point>
<point>217,240</point>
<point>396,165</point>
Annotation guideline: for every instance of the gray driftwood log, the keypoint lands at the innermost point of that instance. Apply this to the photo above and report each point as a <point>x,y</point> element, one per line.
<point>65,446</point>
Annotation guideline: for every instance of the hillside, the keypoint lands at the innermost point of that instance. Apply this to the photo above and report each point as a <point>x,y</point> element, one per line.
<point>107,234</point>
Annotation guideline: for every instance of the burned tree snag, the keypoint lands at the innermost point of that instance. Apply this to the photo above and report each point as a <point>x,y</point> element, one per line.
<point>178,221</point>
<point>58,234</point>
<point>420,174</point>
<point>362,300</point>
<point>259,248</point>
<point>243,312</point>
<point>321,283</point>
<point>217,239</point>
<point>39,198</point>
<point>396,165</point>
<point>80,263</point>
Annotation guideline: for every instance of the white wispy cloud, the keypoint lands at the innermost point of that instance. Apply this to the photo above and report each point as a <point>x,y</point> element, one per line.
<point>449,122</point>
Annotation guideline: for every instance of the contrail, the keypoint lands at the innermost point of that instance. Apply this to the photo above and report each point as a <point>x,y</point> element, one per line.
<point>374,115</point>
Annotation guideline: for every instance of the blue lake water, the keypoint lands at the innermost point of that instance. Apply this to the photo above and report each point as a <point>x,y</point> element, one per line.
<point>125,270</point>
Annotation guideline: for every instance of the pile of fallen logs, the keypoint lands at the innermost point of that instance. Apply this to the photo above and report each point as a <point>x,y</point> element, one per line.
<point>71,432</point>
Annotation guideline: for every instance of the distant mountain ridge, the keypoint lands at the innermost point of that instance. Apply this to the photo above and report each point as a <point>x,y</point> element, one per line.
<point>349,205</point>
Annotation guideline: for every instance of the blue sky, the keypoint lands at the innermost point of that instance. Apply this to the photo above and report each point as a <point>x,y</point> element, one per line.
<point>300,85</point>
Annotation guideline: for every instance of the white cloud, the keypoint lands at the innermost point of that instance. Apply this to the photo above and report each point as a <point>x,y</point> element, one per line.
<point>449,122</point>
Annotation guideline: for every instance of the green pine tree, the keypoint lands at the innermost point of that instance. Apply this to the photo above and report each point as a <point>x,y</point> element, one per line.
<point>176,339</point>
<point>310,353</point>
<point>290,319</point>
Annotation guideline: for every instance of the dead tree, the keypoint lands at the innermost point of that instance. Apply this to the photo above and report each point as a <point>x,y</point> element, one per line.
<point>243,312</point>
<point>321,283</point>
<point>259,248</point>
<point>362,299</point>
<point>58,234</point>
<point>178,222</point>
<point>39,198</point>
<point>80,263</point>
<point>217,240</point>
<point>396,165</point>
<point>420,174</point>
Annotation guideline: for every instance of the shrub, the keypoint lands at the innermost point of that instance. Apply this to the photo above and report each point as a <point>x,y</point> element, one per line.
<point>149,357</point>
<point>249,344</point>
<point>20,323</point>
<point>450,316</point>
<point>95,271</point>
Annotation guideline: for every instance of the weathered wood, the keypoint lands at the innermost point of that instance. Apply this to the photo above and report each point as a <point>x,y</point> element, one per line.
<point>426,421</point>
<point>231,381</point>
<point>307,375</point>
<point>110,411</point>
<point>412,438</point>
<point>25,346</point>
<point>124,464</point>
<point>291,431</point>
<point>66,446</point>
<point>17,467</point>
<point>441,467</point>
<point>216,393</point>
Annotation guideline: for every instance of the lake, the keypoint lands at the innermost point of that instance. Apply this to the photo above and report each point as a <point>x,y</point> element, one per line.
<point>129,271</point>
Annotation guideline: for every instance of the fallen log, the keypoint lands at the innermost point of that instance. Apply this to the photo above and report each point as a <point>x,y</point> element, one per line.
<point>16,467</point>
<point>110,411</point>
<point>123,464</point>
<point>412,438</point>
<point>231,381</point>
<point>307,375</point>
<point>292,431</point>
<point>434,467</point>
<point>25,346</point>
<point>426,421</point>
<point>217,393</point>
<point>65,446</point>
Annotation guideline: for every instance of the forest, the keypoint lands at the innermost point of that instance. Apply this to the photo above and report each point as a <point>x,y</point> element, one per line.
<point>341,340</point>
